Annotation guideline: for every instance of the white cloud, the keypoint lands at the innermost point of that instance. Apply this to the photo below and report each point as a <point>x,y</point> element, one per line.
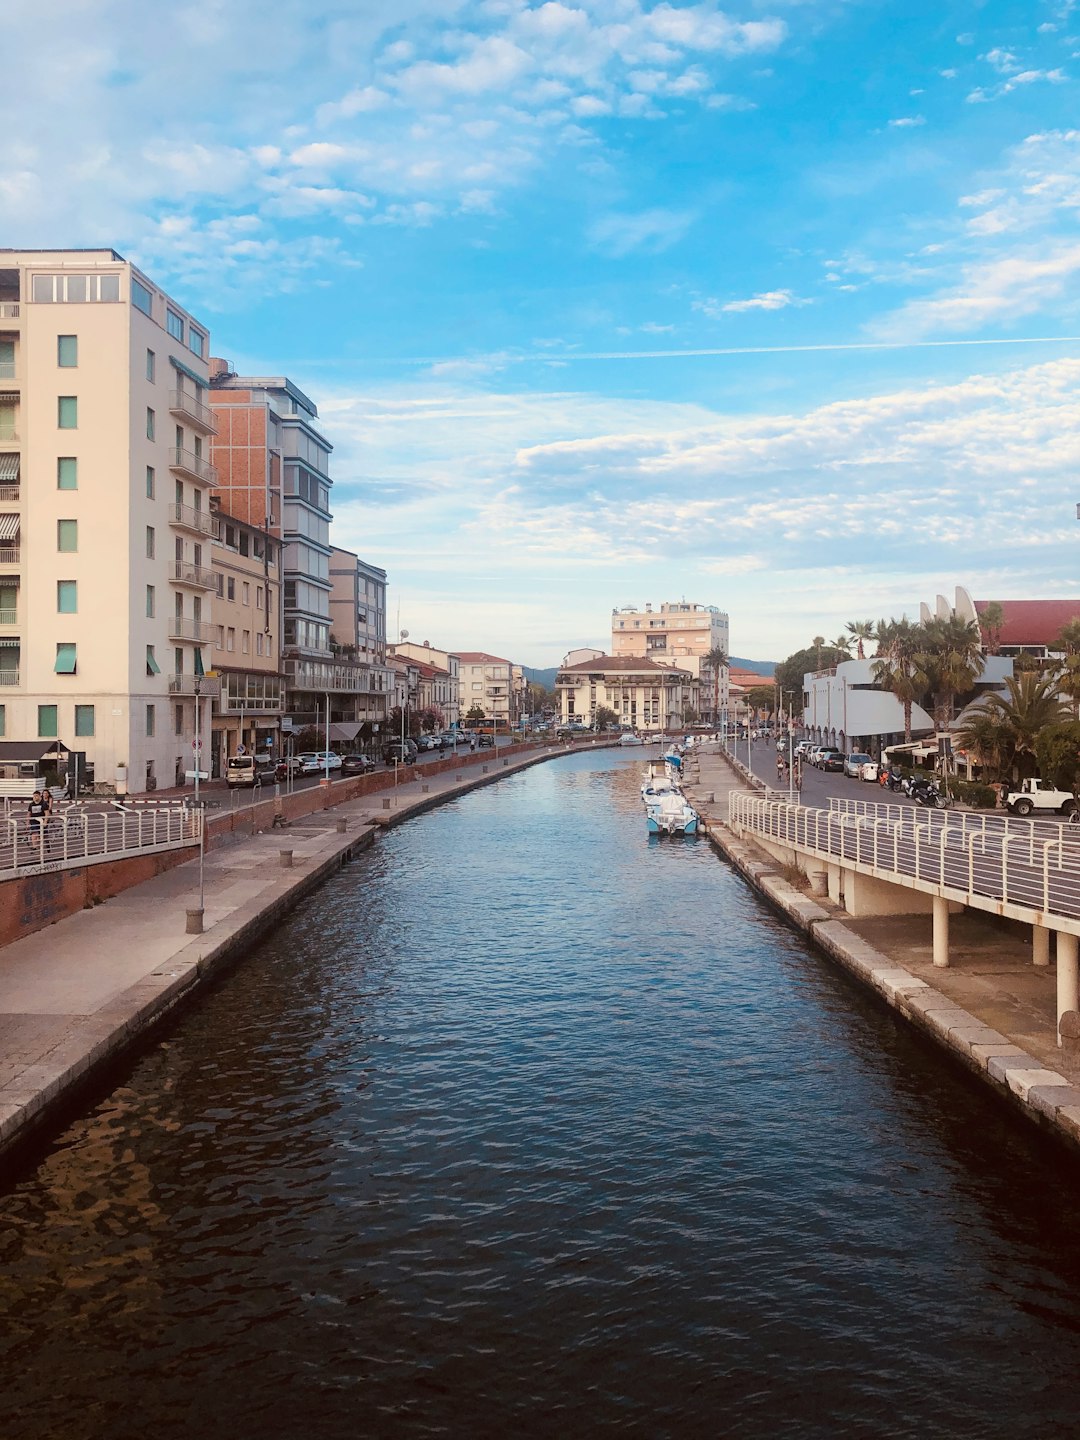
<point>907,122</point>
<point>768,300</point>
<point>649,230</point>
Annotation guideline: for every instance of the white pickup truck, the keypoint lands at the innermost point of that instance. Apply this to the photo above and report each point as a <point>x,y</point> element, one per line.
<point>1037,795</point>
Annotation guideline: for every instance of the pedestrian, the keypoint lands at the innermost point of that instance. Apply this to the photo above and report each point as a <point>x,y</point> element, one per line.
<point>797,771</point>
<point>35,822</point>
<point>47,801</point>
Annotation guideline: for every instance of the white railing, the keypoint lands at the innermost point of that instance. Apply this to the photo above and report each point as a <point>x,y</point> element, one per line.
<point>9,309</point>
<point>9,554</point>
<point>181,403</point>
<point>9,492</point>
<point>191,519</point>
<point>78,836</point>
<point>182,628</point>
<point>193,465</point>
<point>980,860</point>
<point>9,677</point>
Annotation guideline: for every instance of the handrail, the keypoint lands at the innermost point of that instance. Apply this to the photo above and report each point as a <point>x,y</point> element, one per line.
<point>80,835</point>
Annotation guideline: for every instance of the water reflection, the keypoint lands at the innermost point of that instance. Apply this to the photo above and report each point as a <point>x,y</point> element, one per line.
<point>524,1124</point>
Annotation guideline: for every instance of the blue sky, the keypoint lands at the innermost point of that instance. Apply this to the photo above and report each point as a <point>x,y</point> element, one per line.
<point>487,238</point>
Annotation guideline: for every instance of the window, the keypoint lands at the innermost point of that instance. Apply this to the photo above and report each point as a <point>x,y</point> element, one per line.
<point>74,289</point>
<point>67,473</point>
<point>67,536</point>
<point>108,288</point>
<point>149,542</point>
<point>67,602</point>
<point>150,602</point>
<point>143,300</point>
<point>150,720</point>
<point>152,667</point>
<point>151,365</point>
<point>196,341</point>
<point>245,593</point>
<point>178,661</point>
<point>84,719</point>
<point>174,324</point>
<point>259,596</point>
<point>230,588</point>
<point>67,351</point>
<point>46,722</point>
<point>150,482</point>
<point>219,643</point>
<point>3,720</point>
<point>178,719</point>
<point>258,642</point>
<point>151,423</point>
<point>67,412</point>
<point>230,639</point>
<point>245,642</point>
<point>219,584</point>
<point>65,660</point>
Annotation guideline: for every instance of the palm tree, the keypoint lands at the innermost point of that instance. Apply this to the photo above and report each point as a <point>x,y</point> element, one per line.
<point>1068,678</point>
<point>1028,705</point>
<point>950,663</point>
<point>843,643</point>
<point>717,661</point>
<point>860,631</point>
<point>896,667</point>
<point>987,740</point>
<point>818,641</point>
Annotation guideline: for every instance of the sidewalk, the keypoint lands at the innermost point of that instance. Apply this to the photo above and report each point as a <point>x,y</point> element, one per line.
<point>991,1007</point>
<point>75,995</point>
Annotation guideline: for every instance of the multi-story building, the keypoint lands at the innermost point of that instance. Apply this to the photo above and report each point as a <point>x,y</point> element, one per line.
<point>488,682</point>
<point>442,660</point>
<point>246,641</point>
<point>678,633</point>
<point>358,633</point>
<point>645,695</point>
<point>105,523</point>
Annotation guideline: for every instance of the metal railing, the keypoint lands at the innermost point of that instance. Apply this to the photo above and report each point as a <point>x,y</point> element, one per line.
<point>8,616</point>
<point>183,628</point>
<point>181,403</point>
<point>1013,867</point>
<point>78,836</point>
<point>185,685</point>
<point>188,573</point>
<point>193,465</point>
<point>10,554</point>
<point>189,518</point>
<point>9,492</point>
<point>9,309</point>
<point>9,677</point>
<point>7,369</point>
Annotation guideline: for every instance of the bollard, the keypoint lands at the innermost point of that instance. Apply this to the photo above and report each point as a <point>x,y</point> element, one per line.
<point>459,777</point>
<point>424,789</point>
<point>194,922</point>
<point>341,825</point>
<point>285,859</point>
<point>505,763</point>
<point>386,804</point>
<point>1069,1030</point>
<point>483,769</point>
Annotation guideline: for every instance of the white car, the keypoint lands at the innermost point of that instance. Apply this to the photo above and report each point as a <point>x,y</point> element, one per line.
<point>857,764</point>
<point>316,762</point>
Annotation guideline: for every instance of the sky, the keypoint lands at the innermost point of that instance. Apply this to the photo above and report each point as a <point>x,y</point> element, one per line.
<point>772,307</point>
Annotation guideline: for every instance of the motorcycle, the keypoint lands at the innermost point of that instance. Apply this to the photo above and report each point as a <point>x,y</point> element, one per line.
<point>925,792</point>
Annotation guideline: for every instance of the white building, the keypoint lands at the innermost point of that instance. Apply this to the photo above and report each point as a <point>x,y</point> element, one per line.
<point>105,525</point>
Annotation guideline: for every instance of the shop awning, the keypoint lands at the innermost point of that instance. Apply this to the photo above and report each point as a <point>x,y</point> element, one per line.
<point>9,467</point>
<point>186,370</point>
<point>9,527</point>
<point>345,732</point>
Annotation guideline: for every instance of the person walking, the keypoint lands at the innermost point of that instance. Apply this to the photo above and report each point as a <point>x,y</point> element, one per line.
<point>36,817</point>
<point>47,801</point>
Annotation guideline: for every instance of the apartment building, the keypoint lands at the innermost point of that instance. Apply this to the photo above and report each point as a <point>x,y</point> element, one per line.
<point>246,641</point>
<point>679,633</point>
<point>105,522</point>
<point>358,634</point>
<point>440,660</point>
<point>645,695</point>
<point>489,683</point>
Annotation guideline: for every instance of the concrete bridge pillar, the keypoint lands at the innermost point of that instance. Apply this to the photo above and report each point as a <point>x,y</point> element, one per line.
<point>835,873</point>
<point>1040,945</point>
<point>1067,988</point>
<point>941,932</point>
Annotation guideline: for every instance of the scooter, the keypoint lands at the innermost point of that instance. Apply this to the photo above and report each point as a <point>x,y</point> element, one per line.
<point>925,792</point>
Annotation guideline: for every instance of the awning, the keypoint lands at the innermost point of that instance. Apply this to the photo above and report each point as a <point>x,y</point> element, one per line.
<point>20,752</point>
<point>65,660</point>
<point>9,527</point>
<point>7,643</point>
<point>346,732</point>
<point>9,467</point>
<point>9,397</point>
<point>186,370</point>
<point>152,667</point>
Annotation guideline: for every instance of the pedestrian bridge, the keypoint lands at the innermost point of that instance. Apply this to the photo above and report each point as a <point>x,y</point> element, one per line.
<point>880,859</point>
<point>84,836</point>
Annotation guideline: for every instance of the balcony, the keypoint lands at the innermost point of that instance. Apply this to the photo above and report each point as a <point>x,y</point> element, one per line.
<point>321,676</point>
<point>186,462</point>
<point>9,617</point>
<point>199,522</point>
<point>10,554</point>
<point>199,577</point>
<point>9,677</point>
<point>7,369</point>
<point>8,431</point>
<point>182,404</point>
<point>183,628</point>
<point>10,493</point>
<point>185,685</point>
<point>9,309</point>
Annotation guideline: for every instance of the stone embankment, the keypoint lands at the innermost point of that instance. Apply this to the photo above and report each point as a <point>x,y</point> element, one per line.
<point>77,995</point>
<point>992,1009</point>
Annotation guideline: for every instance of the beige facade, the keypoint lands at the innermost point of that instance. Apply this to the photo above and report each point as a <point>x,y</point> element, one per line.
<point>358,633</point>
<point>679,633</point>
<point>106,589</point>
<point>246,641</point>
<point>487,681</point>
<point>646,696</point>
<point>444,660</point>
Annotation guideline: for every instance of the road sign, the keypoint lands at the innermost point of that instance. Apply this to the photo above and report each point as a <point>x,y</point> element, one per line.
<point>196,774</point>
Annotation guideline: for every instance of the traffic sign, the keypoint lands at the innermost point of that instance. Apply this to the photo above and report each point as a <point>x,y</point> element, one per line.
<point>196,774</point>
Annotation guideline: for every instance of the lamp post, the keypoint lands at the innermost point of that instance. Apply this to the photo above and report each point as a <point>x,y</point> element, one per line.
<point>326,750</point>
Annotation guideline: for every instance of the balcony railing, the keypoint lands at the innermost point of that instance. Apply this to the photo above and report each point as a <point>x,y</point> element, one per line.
<point>185,685</point>
<point>197,575</point>
<point>7,369</point>
<point>186,517</point>
<point>9,309</point>
<point>9,617</point>
<point>182,628</point>
<point>8,431</point>
<point>192,465</point>
<point>9,677</point>
<point>9,554</point>
<point>180,403</point>
<point>9,493</point>
<point>321,675</point>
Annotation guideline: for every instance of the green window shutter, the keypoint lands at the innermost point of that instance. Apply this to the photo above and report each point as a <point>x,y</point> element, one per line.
<point>67,536</point>
<point>67,473</point>
<point>67,350</point>
<point>46,722</point>
<point>65,660</point>
<point>84,719</point>
<point>67,412</point>
<point>67,597</point>
<point>152,667</point>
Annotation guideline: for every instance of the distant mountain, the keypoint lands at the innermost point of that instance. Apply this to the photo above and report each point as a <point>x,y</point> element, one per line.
<point>547,677</point>
<point>760,667</point>
<point>542,677</point>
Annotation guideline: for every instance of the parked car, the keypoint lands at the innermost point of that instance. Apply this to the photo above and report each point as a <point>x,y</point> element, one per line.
<point>317,762</point>
<point>357,765</point>
<point>832,760</point>
<point>855,764</point>
<point>485,740</point>
<point>397,753</point>
<point>286,766</point>
<point>242,771</point>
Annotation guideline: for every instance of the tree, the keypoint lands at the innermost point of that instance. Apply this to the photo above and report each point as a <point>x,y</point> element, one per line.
<point>819,641</point>
<point>761,697</point>
<point>790,672</point>
<point>605,718</point>
<point>843,643</point>
<point>896,668</point>
<point>950,662</point>
<point>689,714</point>
<point>393,722</point>
<point>431,719</point>
<point>988,741</point>
<point>717,661</point>
<point>1028,706</point>
<point>860,632</point>
<point>475,713</point>
<point>1057,748</point>
<point>991,620</point>
<point>1068,677</point>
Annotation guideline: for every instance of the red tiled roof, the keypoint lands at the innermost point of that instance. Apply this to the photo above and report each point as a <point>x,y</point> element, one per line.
<point>1033,622</point>
<point>480,657</point>
<point>629,663</point>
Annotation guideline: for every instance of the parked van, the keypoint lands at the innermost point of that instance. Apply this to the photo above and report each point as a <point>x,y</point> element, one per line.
<point>243,770</point>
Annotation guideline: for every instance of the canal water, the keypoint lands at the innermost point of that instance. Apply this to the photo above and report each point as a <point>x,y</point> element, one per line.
<point>530,1125</point>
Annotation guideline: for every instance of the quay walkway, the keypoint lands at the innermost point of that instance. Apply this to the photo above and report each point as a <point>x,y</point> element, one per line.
<point>994,1007</point>
<point>75,995</point>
